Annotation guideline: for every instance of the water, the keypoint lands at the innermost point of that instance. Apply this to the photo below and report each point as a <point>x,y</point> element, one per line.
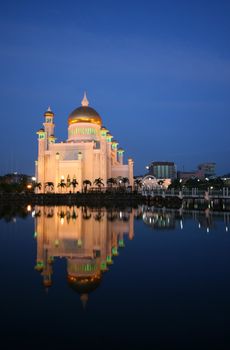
<point>135,278</point>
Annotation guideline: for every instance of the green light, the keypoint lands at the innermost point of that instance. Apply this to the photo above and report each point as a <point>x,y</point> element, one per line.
<point>35,234</point>
<point>103,266</point>
<point>114,251</point>
<point>39,265</point>
<point>109,259</point>
<point>83,131</point>
<point>121,243</point>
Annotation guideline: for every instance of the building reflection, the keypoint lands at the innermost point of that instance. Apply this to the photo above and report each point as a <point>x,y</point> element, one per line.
<point>159,219</point>
<point>87,238</point>
<point>165,219</point>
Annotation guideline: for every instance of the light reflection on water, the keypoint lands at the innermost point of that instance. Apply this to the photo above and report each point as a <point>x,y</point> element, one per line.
<point>137,276</point>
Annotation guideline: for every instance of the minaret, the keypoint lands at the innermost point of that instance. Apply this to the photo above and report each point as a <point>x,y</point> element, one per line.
<point>130,166</point>
<point>85,101</point>
<point>120,152</point>
<point>45,138</point>
<point>49,126</point>
<point>114,150</point>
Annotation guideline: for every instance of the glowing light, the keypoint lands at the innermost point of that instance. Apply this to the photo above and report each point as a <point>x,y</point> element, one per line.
<point>29,186</point>
<point>28,208</point>
<point>33,178</point>
<point>226,228</point>
<point>62,221</point>
<point>181,225</point>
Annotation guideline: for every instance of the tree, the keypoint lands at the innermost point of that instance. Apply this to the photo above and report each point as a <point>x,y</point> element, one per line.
<point>119,180</point>
<point>160,182</point>
<point>74,184</point>
<point>62,184</point>
<point>68,181</point>
<point>176,184</point>
<point>38,185</point>
<point>98,182</point>
<point>49,186</point>
<point>138,183</point>
<point>86,215</point>
<point>86,183</point>
<point>125,181</point>
<point>111,181</point>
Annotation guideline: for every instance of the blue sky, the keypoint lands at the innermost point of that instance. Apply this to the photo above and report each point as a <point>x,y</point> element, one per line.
<point>158,73</point>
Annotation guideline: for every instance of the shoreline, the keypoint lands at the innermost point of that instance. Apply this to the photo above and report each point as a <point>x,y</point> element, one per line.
<point>108,199</point>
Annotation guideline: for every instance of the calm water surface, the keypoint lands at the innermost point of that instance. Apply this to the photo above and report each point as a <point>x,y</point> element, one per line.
<point>135,278</point>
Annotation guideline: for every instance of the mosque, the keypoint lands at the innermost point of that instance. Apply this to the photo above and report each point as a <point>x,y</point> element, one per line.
<point>89,240</point>
<point>89,153</point>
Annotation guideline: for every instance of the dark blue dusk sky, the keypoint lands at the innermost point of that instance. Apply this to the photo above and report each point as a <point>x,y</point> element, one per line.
<point>158,73</point>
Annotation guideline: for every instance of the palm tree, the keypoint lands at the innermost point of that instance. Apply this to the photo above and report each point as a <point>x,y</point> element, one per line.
<point>38,185</point>
<point>125,181</point>
<point>86,215</point>
<point>138,183</point>
<point>49,185</point>
<point>160,183</point>
<point>62,184</point>
<point>74,184</point>
<point>111,181</point>
<point>98,182</point>
<point>86,183</point>
<point>68,182</point>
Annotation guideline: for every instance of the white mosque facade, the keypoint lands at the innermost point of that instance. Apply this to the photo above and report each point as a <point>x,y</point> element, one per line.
<point>89,152</point>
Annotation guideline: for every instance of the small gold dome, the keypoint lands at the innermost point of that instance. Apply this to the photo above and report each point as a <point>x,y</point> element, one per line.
<point>49,113</point>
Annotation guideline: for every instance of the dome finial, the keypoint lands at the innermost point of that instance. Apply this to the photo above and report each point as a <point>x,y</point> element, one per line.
<point>85,102</point>
<point>49,109</point>
<point>84,298</point>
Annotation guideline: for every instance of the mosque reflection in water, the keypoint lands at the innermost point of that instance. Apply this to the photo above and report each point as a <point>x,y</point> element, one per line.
<point>88,239</point>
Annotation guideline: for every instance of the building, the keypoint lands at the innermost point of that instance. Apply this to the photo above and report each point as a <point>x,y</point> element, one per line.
<point>89,240</point>
<point>89,152</point>
<point>163,170</point>
<point>207,170</point>
<point>204,170</point>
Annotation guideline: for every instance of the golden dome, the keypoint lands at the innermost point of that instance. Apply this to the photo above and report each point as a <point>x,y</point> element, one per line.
<point>84,114</point>
<point>84,284</point>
